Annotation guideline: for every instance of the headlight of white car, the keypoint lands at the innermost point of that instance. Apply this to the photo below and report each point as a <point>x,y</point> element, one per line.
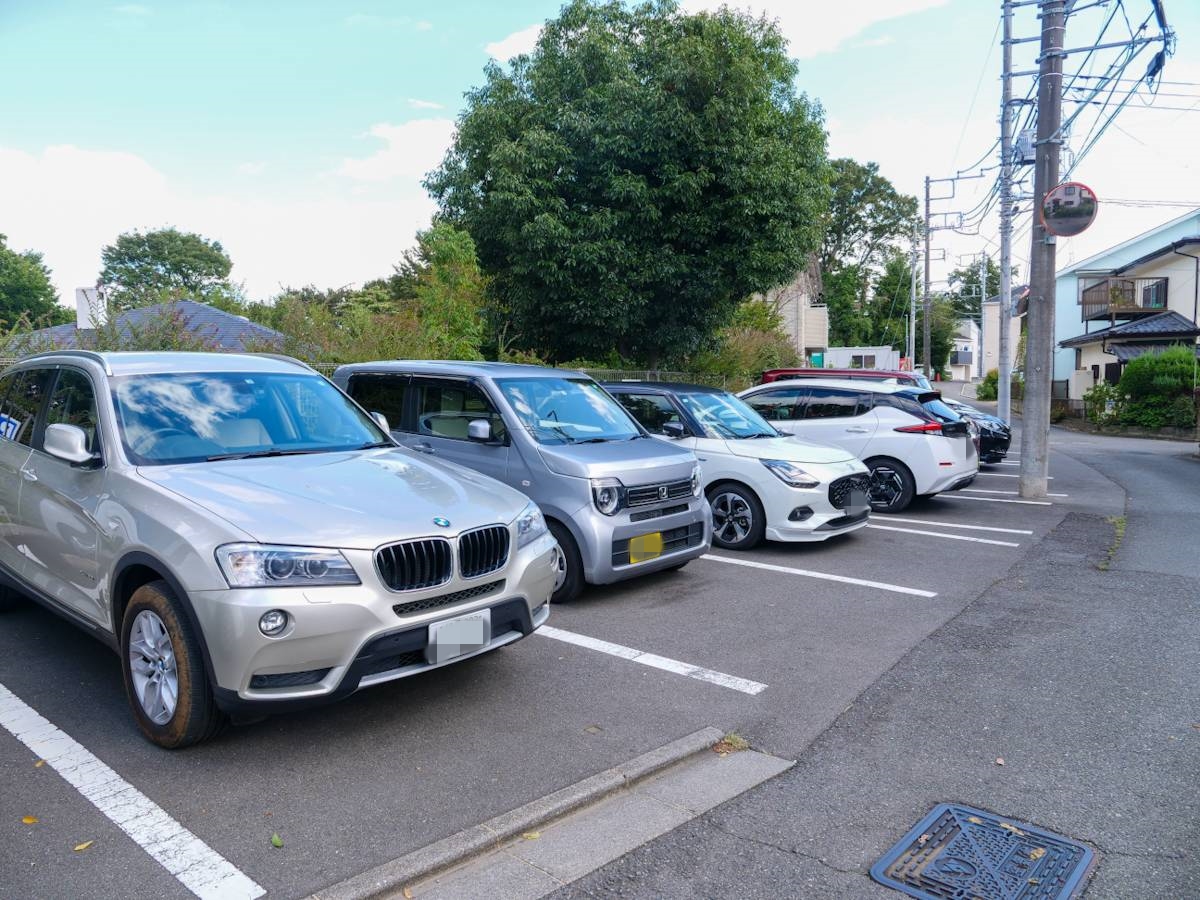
<point>270,565</point>
<point>531,525</point>
<point>790,473</point>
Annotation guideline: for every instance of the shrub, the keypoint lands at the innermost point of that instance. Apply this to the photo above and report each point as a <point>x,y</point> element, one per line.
<point>1169,374</point>
<point>1103,404</point>
<point>989,387</point>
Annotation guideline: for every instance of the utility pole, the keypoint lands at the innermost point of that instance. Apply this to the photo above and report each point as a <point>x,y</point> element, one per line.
<point>1004,365</point>
<point>983,273</point>
<point>1039,353</point>
<point>926,338</point>
<point>912,305</point>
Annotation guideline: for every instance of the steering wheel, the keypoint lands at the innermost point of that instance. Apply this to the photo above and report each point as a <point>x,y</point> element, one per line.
<point>153,437</point>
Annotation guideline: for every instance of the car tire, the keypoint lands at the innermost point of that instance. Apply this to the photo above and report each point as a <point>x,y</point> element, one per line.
<point>160,655</point>
<point>892,485</point>
<point>738,518</point>
<point>570,565</point>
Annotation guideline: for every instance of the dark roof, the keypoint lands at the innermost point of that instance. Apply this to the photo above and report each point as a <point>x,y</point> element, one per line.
<point>677,387</point>
<point>1126,352</point>
<point>225,331</point>
<point>1163,324</point>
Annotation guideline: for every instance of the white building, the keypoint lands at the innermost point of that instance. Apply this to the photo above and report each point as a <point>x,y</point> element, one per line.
<point>805,318</point>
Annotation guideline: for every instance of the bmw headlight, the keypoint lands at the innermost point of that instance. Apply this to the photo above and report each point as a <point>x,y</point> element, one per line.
<point>790,473</point>
<point>697,484</point>
<point>608,494</point>
<point>531,525</point>
<point>269,565</point>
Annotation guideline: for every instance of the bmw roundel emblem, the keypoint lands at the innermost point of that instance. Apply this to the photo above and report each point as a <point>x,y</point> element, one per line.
<point>441,522</point>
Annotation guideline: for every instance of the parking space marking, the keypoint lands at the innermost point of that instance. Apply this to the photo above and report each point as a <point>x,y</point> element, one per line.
<point>958,495</point>
<point>949,537</point>
<point>1007,475</point>
<point>967,527</point>
<point>197,866</point>
<point>745,685</point>
<point>1013,493</point>
<point>844,579</point>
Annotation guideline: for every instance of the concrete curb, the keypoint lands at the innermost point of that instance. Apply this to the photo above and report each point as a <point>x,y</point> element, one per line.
<point>391,877</point>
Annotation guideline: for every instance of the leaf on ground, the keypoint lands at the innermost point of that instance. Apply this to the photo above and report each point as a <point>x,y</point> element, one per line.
<point>79,848</point>
<point>1037,853</point>
<point>975,820</point>
<point>276,841</point>
<point>999,760</point>
<point>407,893</point>
<point>531,835</point>
<point>923,840</point>
<point>1013,828</point>
<point>39,763</point>
<point>29,820</point>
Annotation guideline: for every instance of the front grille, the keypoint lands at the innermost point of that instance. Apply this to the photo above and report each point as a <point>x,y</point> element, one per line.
<point>416,606</point>
<point>482,550</point>
<point>843,521</point>
<point>646,494</point>
<point>391,663</point>
<point>415,565</point>
<point>288,679</point>
<point>839,489</point>
<point>657,513</point>
<point>674,539</point>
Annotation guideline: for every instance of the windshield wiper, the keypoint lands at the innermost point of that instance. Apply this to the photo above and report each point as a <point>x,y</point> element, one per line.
<point>372,445</point>
<point>595,440</point>
<point>263,454</point>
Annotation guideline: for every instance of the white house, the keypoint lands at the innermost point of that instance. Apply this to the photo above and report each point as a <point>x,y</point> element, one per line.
<point>1140,296</point>
<point>805,318</point>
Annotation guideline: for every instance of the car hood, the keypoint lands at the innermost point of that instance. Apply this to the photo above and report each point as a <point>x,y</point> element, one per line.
<point>357,500</point>
<point>642,461</point>
<point>791,449</point>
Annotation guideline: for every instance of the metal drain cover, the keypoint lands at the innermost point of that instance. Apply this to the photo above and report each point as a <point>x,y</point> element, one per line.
<point>960,853</point>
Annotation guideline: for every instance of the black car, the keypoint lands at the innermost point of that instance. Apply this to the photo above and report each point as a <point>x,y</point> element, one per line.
<point>994,433</point>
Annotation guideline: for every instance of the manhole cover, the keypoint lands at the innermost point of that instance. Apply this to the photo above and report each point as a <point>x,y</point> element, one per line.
<point>960,853</point>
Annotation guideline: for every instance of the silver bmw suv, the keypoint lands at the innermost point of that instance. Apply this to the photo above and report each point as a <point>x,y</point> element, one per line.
<point>247,538</point>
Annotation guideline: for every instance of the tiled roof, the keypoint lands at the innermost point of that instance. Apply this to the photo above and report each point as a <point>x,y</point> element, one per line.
<point>1163,324</point>
<point>1126,352</point>
<point>223,330</point>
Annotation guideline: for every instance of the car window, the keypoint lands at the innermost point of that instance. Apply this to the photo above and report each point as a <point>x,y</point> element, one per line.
<point>382,394</point>
<point>23,401</point>
<point>653,411</point>
<point>8,426</point>
<point>832,403</point>
<point>565,410</point>
<point>73,402</point>
<point>725,416</point>
<point>777,405</point>
<point>446,408</point>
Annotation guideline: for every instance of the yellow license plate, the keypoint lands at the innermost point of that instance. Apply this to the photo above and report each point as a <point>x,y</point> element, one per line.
<point>646,546</point>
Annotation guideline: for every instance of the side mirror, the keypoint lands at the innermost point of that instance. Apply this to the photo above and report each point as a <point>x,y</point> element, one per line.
<point>479,430</point>
<point>674,430</point>
<point>381,421</point>
<point>68,442</point>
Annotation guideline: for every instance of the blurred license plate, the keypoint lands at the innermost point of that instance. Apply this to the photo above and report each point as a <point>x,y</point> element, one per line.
<point>856,503</point>
<point>458,636</point>
<point>646,546</point>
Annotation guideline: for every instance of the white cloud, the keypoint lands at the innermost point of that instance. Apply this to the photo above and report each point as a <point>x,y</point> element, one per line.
<point>815,28</point>
<point>251,168</point>
<point>423,25</point>
<point>411,150</point>
<point>133,9</point>
<point>883,41</point>
<point>68,202</point>
<point>423,104</point>
<point>515,44</point>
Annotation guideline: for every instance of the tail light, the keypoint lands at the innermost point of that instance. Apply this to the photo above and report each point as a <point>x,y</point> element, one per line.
<point>923,428</point>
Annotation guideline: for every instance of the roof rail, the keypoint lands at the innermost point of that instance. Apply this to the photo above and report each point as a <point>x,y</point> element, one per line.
<point>86,354</point>
<point>283,357</point>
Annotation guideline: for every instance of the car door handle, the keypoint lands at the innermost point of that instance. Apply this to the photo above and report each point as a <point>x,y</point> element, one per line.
<point>859,430</point>
<point>423,447</point>
<point>29,474</point>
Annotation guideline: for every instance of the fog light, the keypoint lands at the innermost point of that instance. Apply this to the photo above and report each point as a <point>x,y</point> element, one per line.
<point>800,513</point>
<point>273,622</point>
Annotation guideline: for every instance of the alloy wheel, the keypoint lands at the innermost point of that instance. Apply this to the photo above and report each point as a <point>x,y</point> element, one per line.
<point>152,667</point>
<point>732,517</point>
<point>887,485</point>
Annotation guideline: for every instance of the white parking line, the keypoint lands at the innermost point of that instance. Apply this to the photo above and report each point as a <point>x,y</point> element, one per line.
<point>958,495</point>
<point>949,537</point>
<point>1012,493</point>
<point>1006,474</point>
<point>649,659</point>
<point>967,527</point>
<point>198,867</point>
<point>881,585</point>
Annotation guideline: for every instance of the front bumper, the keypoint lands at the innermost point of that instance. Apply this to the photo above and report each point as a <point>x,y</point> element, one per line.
<point>686,534</point>
<point>784,506</point>
<point>342,638</point>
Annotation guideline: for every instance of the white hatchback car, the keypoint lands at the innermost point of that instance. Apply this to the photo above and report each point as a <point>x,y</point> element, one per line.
<point>759,482</point>
<point>912,442</point>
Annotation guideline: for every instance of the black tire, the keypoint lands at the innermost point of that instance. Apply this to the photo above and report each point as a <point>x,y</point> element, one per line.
<point>10,599</point>
<point>738,518</point>
<point>195,716</point>
<point>572,562</point>
<point>892,485</point>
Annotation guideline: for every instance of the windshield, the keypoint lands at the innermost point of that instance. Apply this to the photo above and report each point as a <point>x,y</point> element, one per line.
<point>198,416</point>
<point>725,416</point>
<point>568,410</point>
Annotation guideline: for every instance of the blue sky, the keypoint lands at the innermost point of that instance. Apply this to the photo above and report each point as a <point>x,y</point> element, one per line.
<point>297,132</point>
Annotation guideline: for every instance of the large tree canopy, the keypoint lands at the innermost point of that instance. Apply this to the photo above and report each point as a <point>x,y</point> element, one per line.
<point>141,268</point>
<point>636,176</point>
<point>25,290</point>
<point>867,217</point>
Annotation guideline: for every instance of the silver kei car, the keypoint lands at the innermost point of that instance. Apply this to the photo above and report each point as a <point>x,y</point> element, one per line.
<point>248,539</point>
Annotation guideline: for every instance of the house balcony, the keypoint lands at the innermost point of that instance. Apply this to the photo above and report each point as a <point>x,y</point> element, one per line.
<point>1123,298</point>
<point>960,357</point>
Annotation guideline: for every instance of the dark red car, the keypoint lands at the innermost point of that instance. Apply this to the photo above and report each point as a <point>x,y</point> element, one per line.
<point>916,379</point>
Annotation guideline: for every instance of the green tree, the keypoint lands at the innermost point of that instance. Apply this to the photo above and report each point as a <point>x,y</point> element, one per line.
<point>867,217</point>
<point>26,294</point>
<point>966,290</point>
<point>886,313</point>
<point>635,177</point>
<point>449,294</point>
<point>142,268</point>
